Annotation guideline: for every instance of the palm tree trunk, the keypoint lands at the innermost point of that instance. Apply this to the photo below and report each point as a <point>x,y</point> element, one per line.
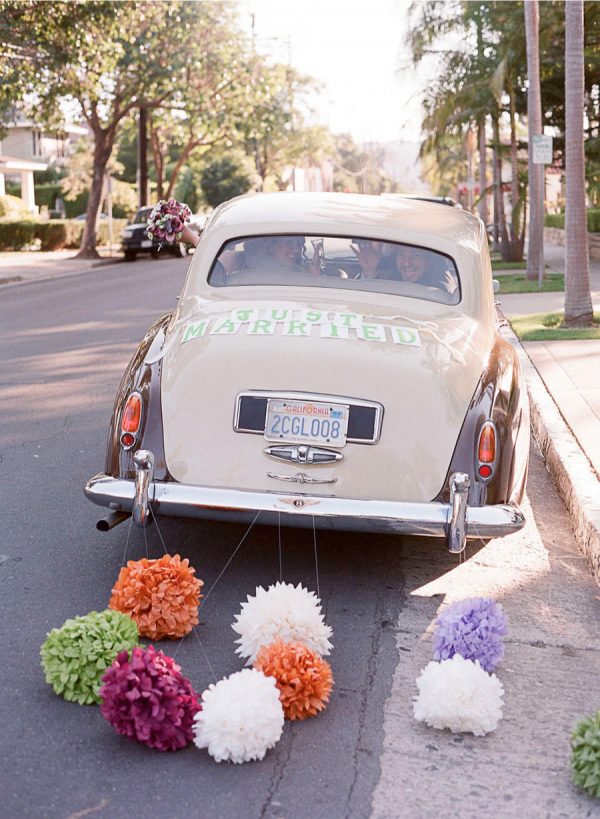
<point>578,300</point>
<point>483,203</point>
<point>499,213</point>
<point>535,248</point>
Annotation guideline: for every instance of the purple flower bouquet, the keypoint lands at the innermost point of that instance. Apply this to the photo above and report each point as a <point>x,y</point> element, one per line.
<point>167,220</point>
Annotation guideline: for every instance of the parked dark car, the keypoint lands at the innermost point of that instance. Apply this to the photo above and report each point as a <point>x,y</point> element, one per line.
<point>135,240</point>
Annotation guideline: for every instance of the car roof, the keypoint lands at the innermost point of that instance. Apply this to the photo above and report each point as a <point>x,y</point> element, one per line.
<point>345,214</point>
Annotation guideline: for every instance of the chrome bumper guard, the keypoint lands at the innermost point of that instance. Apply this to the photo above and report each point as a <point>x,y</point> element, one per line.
<point>454,521</point>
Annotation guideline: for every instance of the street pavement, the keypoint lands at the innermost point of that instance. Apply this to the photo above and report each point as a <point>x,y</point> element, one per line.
<point>65,342</point>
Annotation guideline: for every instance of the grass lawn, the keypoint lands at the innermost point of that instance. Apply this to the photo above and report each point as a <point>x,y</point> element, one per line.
<point>519,283</point>
<point>498,264</point>
<point>546,327</point>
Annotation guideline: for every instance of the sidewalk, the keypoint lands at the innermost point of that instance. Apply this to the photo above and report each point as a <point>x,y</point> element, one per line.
<point>567,428</point>
<point>22,266</point>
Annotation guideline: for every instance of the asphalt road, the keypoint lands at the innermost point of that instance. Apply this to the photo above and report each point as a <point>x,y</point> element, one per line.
<point>64,345</point>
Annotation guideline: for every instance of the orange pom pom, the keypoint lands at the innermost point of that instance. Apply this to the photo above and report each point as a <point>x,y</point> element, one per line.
<point>304,679</point>
<point>161,596</point>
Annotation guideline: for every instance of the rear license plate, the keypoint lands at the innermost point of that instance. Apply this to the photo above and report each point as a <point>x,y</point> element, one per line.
<point>306,422</point>
<point>146,243</point>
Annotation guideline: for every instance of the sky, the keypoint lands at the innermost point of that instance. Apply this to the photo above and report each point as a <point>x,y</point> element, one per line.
<point>359,52</point>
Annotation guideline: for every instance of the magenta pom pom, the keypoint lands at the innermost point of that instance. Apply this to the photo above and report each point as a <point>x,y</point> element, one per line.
<point>147,698</point>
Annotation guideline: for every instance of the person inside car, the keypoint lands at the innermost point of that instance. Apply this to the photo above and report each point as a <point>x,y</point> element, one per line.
<point>406,263</point>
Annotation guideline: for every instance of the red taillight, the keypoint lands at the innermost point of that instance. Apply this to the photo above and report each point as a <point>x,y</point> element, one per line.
<point>127,439</point>
<point>486,451</point>
<point>485,470</point>
<point>132,414</point>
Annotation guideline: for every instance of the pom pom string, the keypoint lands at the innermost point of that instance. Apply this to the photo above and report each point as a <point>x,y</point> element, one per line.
<point>316,560</point>
<point>235,551</point>
<point>127,540</point>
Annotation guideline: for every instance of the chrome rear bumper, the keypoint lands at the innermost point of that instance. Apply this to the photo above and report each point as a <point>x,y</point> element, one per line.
<point>298,509</point>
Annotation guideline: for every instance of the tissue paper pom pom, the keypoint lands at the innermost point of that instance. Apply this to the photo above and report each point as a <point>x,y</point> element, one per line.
<point>148,699</point>
<point>304,680</point>
<point>162,596</point>
<point>284,612</point>
<point>585,755</point>
<point>241,717</point>
<point>458,694</point>
<point>75,656</point>
<point>472,628</point>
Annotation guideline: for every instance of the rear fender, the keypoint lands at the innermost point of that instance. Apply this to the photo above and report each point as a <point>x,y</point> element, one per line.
<point>145,379</point>
<point>500,397</point>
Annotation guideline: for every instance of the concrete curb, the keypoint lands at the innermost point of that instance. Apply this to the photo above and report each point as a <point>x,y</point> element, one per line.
<point>566,462</point>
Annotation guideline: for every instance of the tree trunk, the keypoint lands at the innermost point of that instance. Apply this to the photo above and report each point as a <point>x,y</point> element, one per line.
<point>177,169</point>
<point>578,301</point>
<point>157,157</point>
<point>483,201</point>
<point>103,145</point>
<point>499,213</point>
<point>535,247</point>
<point>512,250</point>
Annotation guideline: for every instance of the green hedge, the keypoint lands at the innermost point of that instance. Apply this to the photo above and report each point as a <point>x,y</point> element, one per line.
<point>60,233</point>
<point>16,235</point>
<point>557,220</point>
<point>54,235</point>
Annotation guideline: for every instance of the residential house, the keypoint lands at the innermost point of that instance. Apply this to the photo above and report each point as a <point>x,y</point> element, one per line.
<point>27,148</point>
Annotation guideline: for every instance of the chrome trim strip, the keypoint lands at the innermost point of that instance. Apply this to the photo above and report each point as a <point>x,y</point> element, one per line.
<point>312,396</point>
<point>298,509</point>
<point>302,454</point>
<point>301,477</point>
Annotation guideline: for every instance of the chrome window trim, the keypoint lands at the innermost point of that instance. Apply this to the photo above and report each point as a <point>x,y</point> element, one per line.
<point>311,396</point>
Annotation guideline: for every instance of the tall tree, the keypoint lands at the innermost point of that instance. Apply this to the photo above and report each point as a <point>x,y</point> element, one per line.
<point>535,251</point>
<point>107,57</point>
<point>578,301</point>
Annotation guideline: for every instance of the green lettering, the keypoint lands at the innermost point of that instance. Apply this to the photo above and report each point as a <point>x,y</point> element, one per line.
<point>226,327</point>
<point>402,335</point>
<point>263,327</point>
<point>371,332</point>
<point>296,328</point>
<point>194,330</point>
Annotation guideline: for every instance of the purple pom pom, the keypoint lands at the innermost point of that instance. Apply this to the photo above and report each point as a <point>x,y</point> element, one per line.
<point>474,629</point>
<point>146,698</point>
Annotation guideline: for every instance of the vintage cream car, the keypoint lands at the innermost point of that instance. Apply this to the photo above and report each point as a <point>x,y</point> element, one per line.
<point>333,358</point>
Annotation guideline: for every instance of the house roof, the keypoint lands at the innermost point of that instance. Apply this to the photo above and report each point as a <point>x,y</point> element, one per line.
<point>15,164</point>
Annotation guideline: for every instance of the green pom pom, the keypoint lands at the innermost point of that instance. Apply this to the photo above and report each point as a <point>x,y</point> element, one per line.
<point>75,656</point>
<point>585,755</point>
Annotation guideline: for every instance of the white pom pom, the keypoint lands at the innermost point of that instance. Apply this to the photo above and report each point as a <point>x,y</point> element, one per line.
<point>241,717</point>
<point>284,612</point>
<point>458,694</point>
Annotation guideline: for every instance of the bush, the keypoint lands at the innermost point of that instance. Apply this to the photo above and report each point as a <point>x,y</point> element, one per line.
<point>13,207</point>
<point>102,234</point>
<point>16,235</point>
<point>59,233</point>
<point>557,220</point>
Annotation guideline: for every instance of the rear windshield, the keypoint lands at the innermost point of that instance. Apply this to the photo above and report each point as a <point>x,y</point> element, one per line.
<point>340,262</point>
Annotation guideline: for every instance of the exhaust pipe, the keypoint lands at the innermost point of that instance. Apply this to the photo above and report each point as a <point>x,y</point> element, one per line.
<point>112,520</point>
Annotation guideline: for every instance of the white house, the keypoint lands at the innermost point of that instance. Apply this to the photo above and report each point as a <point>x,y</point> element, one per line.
<point>27,148</point>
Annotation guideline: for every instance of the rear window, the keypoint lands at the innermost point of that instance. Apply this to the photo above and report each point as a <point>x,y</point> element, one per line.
<point>339,262</point>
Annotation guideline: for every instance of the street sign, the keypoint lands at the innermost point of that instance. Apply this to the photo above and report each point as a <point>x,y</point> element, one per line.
<point>542,149</point>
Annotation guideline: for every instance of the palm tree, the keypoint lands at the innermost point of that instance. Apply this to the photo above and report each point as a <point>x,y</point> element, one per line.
<point>535,252</point>
<point>578,300</point>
